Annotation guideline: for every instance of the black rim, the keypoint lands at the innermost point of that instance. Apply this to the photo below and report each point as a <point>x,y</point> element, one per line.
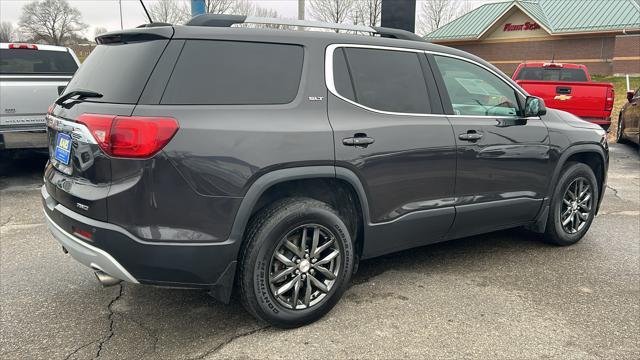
<point>304,267</point>
<point>577,203</point>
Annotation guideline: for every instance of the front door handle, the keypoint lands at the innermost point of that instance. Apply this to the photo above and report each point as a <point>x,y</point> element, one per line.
<point>358,140</point>
<point>470,135</point>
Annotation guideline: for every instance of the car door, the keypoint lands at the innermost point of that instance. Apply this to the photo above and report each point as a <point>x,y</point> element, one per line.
<point>389,130</point>
<point>503,159</point>
<point>632,117</point>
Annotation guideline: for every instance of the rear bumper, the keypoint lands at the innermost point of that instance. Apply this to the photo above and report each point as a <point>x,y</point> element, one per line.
<point>23,139</point>
<point>88,255</point>
<point>116,252</point>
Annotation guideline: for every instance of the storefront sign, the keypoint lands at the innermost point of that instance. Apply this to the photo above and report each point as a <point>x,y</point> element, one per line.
<point>521,27</point>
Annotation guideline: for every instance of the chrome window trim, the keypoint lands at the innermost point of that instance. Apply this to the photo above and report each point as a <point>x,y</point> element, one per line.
<point>328,71</point>
<point>332,89</point>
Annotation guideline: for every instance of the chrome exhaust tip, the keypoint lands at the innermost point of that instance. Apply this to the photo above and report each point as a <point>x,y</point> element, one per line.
<point>106,280</point>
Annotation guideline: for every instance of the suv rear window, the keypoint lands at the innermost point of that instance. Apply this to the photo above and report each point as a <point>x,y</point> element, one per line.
<point>118,71</point>
<point>27,61</point>
<point>212,72</point>
<point>552,74</point>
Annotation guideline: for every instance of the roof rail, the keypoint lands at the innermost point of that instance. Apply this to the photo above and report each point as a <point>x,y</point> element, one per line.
<point>220,20</point>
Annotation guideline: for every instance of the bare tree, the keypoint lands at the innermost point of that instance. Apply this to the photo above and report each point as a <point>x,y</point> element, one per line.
<point>221,6</point>
<point>52,21</point>
<point>436,13</point>
<point>7,33</point>
<point>169,11</point>
<point>367,12</point>
<point>243,7</point>
<point>99,31</point>
<point>265,12</point>
<point>333,11</point>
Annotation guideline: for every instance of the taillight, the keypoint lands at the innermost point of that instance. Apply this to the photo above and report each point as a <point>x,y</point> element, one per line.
<point>23,46</point>
<point>608,104</point>
<point>130,136</point>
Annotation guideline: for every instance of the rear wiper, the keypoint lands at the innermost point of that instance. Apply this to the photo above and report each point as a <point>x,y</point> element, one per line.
<point>79,93</point>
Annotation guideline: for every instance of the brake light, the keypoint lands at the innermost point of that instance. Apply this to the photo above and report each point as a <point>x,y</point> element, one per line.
<point>553,65</point>
<point>130,136</point>
<point>608,104</point>
<point>23,46</point>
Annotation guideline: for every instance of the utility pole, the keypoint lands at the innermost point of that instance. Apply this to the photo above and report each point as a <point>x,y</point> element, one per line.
<point>300,9</point>
<point>301,13</point>
<point>121,23</point>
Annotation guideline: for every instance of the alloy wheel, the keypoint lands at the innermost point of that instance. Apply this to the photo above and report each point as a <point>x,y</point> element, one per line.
<point>577,204</point>
<point>304,267</point>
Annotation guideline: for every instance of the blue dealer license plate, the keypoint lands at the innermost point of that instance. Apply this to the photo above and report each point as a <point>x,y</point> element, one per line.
<point>63,148</point>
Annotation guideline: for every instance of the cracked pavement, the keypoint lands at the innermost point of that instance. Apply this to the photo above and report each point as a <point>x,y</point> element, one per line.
<point>501,295</point>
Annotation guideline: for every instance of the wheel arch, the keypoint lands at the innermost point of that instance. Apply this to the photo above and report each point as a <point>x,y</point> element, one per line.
<point>592,155</point>
<point>290,181</point>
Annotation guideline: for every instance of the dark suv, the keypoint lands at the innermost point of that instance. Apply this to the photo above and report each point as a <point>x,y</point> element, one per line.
<point>272,161</point>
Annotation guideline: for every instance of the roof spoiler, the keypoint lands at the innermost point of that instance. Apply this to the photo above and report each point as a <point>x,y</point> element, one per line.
<point>218,20</point>
<point>147,32</point>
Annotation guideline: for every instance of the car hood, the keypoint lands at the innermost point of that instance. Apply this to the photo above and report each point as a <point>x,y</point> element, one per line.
<point>573,120</point>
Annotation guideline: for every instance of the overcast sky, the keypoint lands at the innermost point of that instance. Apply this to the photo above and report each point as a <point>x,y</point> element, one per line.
<point>105,13</point>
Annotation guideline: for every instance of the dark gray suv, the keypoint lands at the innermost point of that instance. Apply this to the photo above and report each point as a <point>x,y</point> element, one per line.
<point>272,161</point>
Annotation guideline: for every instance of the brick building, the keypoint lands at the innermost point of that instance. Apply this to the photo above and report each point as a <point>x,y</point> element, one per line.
<point>604,35</point>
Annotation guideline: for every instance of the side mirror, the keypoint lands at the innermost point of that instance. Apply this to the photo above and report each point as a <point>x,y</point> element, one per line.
<point>534,107</point>
<point>630,95</point>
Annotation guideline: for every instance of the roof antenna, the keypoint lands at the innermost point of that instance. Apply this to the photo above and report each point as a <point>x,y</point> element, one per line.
<point>146,12</point>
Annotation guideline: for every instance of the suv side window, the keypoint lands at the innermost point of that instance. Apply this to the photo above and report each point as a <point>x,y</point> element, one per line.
<point>386,80</point>
<point>211,72</point>
<point>474,91</point>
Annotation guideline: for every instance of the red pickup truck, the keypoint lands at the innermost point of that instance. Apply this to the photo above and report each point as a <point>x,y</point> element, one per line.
<point>568,87</point>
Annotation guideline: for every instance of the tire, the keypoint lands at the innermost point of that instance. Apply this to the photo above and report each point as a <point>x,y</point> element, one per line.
<point>576,176</point>
<point>292,220</point>
<point>619,131</point>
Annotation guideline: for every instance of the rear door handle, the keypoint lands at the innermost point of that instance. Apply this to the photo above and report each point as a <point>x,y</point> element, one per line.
<point>470,135</point>
<point>358,140</point>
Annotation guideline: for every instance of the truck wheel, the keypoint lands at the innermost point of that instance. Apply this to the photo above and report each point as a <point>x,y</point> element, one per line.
<point>573,205</point>
<point>296,262</point>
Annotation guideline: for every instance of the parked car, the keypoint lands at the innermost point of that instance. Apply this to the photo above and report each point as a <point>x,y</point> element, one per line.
<point>629,119</point>
<point>31,77</point>
<point>568,87</point>
<point>273,161</point>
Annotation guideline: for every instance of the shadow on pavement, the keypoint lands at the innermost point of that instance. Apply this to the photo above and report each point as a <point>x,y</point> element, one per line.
<point>21,168</point>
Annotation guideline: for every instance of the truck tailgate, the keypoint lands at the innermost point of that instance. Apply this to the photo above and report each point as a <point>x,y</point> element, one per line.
<point>24,100</point>
<point>583,99</point>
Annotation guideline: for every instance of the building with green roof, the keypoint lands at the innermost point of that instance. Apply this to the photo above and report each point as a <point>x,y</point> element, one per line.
<point>602,34</point>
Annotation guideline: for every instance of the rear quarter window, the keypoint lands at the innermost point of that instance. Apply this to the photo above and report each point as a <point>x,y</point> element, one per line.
<point>211,72</point>
<point>118,71</point>
<point>27,61</point>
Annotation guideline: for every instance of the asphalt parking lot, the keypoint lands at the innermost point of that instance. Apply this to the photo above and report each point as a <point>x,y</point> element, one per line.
<point>501,295</point>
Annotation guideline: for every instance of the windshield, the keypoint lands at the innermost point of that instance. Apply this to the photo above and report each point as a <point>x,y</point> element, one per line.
<point>27,61</point>
<point>552,74</point>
